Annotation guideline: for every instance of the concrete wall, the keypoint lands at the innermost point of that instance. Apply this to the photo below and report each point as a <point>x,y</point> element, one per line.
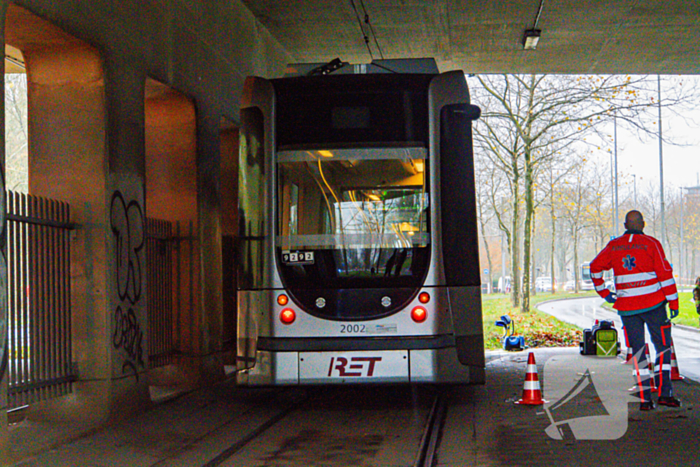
<point>88,64</point>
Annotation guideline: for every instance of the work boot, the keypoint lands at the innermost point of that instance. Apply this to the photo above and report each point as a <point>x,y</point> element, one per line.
<point>669,401</point>
<point>648,405</point>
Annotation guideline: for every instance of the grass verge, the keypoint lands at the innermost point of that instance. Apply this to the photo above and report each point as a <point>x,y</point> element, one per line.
<point>539,329</point>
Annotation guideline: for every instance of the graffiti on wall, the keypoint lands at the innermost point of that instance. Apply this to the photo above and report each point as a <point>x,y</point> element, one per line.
<point>128,229</point>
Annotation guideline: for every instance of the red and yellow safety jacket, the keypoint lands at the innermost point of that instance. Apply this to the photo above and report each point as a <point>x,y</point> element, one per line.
<point>643,276</point>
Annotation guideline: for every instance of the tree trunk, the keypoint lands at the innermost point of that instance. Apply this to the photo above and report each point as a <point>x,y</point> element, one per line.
<point>576,266</point>
<point>527,230</point>
<point>488,255</point>
<point>529,195</point>
<point>514,244</point>
<point>554,236</point>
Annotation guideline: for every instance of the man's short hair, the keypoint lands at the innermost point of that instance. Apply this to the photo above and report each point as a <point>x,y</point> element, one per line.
<point>634,220</point>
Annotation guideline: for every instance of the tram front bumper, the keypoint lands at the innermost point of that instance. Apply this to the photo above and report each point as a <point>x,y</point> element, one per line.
<point>356,367</point>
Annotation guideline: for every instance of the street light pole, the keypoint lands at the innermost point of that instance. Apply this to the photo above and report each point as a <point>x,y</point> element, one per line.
<point>617,215</point>
<point>612,187</point>
<point>682,269</point>
<point>635,190</point>
<point>661,166</point>
<point>503,261</point>
<point>682,239</point>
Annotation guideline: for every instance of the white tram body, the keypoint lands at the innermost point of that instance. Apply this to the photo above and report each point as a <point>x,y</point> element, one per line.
<point>358,252</point>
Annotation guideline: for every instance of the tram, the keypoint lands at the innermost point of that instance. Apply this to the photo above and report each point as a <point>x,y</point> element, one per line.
<point>357,251</point>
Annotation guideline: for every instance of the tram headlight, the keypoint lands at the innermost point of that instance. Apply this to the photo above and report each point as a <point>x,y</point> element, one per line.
<point>419,314</point>
<point>287,316</point>
<point>424,297</point>
<point>282,300</point>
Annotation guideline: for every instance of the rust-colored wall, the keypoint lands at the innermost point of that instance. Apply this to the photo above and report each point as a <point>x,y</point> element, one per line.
<point>171,151</point>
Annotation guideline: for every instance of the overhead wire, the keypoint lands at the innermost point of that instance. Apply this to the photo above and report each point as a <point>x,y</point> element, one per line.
<point>367,29</point>
<point>371,29</point>
<point>362,29</point>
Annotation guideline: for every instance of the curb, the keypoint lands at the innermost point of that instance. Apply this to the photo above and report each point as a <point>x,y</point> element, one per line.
<point>680,326</point>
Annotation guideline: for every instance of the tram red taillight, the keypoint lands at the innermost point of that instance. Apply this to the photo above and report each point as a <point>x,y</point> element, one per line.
<point>287,316</point>
<point>282,300</point>
<point>424,297</point>
<point>419,314</point>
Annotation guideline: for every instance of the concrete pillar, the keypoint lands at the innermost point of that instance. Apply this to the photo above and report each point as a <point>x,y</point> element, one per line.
<point>229,230</point>
<point>73,157</point>
<point>88,147</point>
<point>126,238</point>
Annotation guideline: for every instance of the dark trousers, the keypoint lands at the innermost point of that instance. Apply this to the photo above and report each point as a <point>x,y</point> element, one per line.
<point>660,329</point>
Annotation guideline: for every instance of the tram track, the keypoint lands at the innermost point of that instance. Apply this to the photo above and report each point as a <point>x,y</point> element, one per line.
<point>233,449</point>
<point>262,433</point>
<point>427,451</point>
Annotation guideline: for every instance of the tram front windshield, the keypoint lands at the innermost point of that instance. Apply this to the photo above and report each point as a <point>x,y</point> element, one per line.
<point>353,217</point>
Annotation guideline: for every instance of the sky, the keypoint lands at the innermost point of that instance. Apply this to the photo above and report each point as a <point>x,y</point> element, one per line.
<point>681,161</point>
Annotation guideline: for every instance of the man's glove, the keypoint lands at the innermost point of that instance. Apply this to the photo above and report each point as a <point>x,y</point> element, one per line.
<point>611,298</point>
<point>674,313</point>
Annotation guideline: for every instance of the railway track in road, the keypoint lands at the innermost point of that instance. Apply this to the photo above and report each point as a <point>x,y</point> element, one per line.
<point>427,452</point>
<point>344,426</point>
<point>233,449</point>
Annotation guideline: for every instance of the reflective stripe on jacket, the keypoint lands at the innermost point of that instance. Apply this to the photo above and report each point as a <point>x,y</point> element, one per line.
<point>643,276</point>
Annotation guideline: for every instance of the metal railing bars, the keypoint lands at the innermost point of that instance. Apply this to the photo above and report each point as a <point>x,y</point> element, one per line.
<point>160,245</point>
<point>39,299</point>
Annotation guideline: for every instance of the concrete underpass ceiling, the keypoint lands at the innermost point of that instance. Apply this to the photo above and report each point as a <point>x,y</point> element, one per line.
<point>621,36</point>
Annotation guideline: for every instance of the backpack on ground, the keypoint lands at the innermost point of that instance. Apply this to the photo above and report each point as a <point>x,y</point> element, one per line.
<point>600,340</point>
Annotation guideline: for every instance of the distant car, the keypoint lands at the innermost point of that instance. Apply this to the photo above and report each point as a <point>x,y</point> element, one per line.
<point>504,284</point>
<point>569,286</point>
<point>543,284</point>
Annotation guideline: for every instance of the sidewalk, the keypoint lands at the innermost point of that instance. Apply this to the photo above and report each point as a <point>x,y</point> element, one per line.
<point>592,424</point>
<point>583,312</point>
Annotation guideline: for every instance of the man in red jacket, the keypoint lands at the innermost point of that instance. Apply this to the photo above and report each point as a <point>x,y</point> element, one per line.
<point>644,284</point>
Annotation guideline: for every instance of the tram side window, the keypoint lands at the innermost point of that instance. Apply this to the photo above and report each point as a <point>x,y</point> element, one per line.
<point>251,199</point>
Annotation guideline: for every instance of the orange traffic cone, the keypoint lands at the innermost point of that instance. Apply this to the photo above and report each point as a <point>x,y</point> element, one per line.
<point>675,375</point>
<point>531,391</point>
<point>652,375</point>
<point>628,358</point>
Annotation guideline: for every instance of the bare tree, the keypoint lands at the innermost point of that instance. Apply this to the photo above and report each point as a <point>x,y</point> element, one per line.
<point>498,143</point>
<point>16,146</point>
<point>528,119</point>
<point>574,201</point>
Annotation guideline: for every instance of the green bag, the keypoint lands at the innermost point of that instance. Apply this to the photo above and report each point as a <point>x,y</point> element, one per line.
<point>606,340</point>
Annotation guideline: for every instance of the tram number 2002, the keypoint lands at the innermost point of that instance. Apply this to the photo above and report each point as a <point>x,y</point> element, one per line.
<point>352,328</point>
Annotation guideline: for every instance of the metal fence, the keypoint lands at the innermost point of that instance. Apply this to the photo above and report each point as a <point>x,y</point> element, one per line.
<point>39,298</point>
<point>159,260</point>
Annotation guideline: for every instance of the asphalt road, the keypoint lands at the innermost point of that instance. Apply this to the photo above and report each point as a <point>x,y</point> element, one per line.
<point>583,312</point>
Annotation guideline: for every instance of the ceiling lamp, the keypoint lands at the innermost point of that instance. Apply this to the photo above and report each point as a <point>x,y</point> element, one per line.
<point>531,38</point>
<point>532,35</point>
